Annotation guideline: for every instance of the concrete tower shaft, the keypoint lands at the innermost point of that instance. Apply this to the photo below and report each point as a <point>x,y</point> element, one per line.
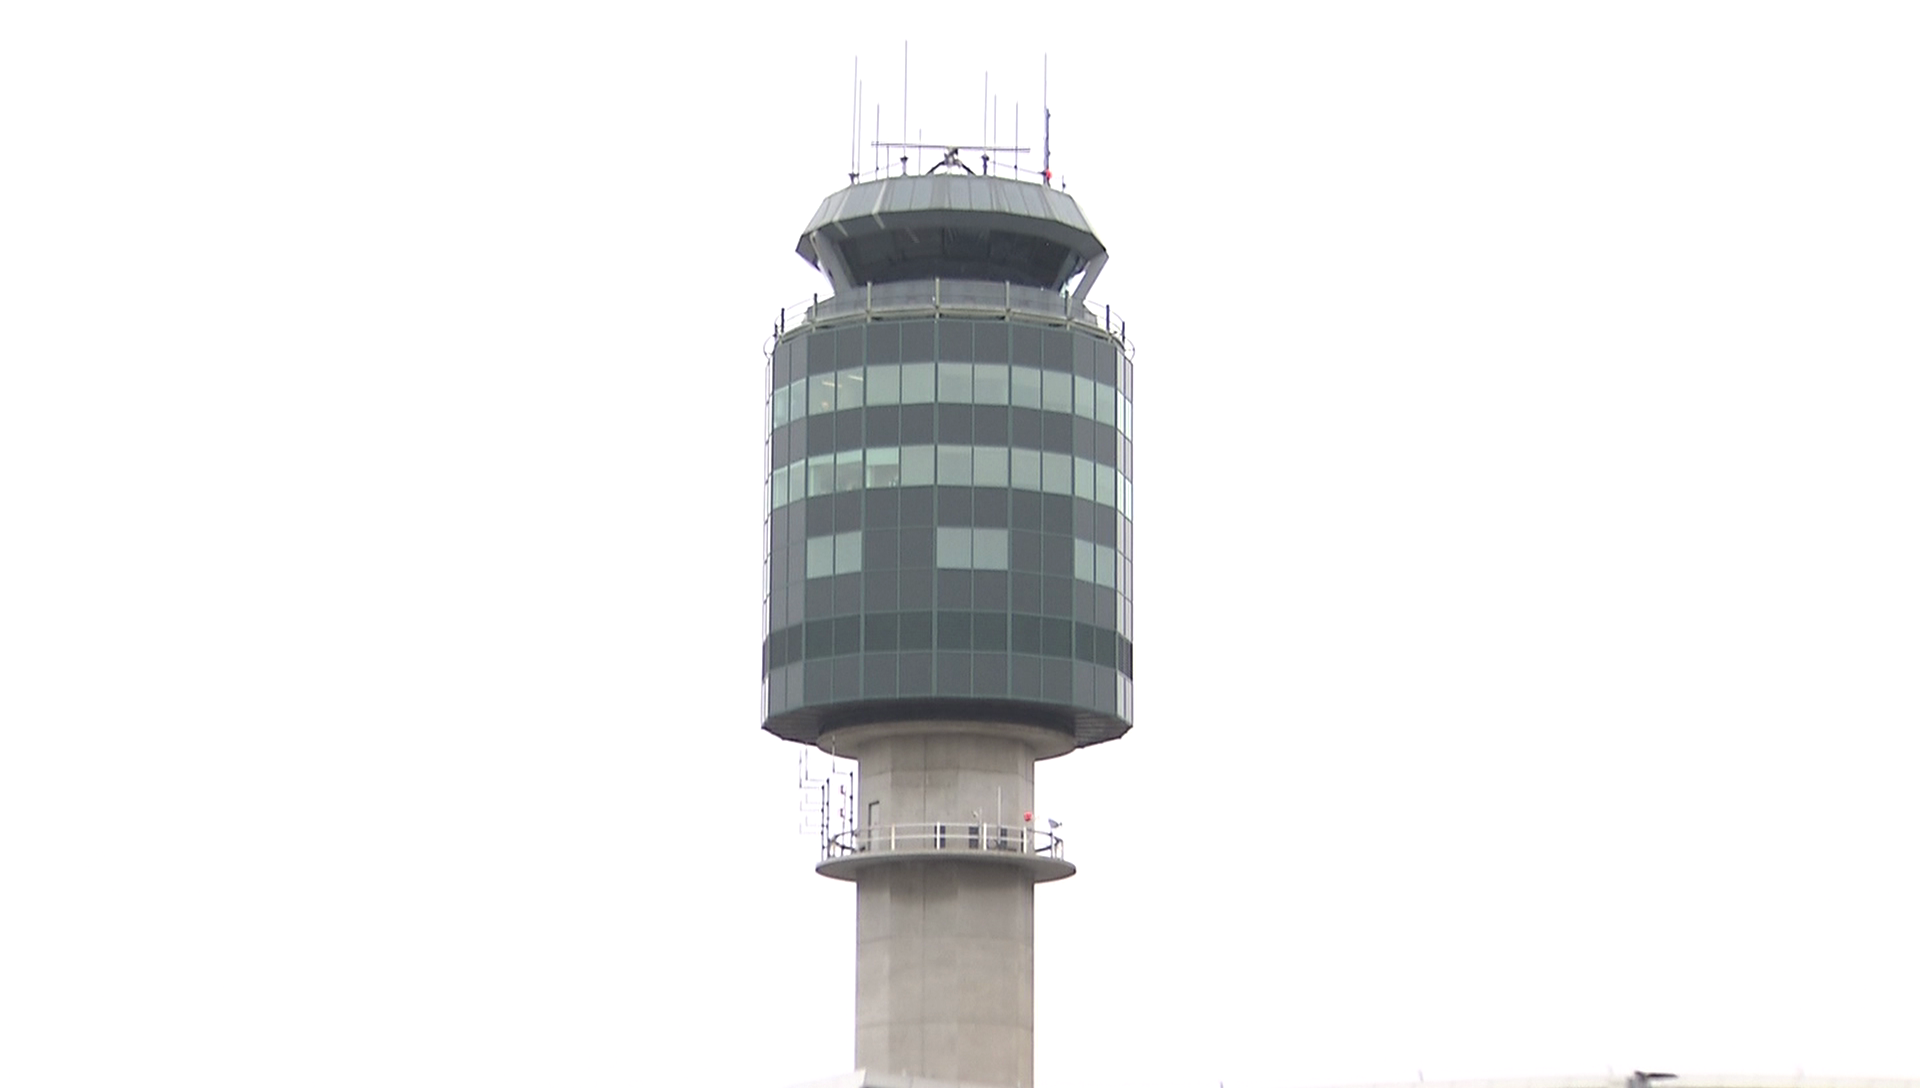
<point>946,862</point>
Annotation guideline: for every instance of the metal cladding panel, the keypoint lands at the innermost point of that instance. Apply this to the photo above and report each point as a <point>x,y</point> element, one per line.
<point>862,200</point>
<point>1064,209</point>
<point>949,527</point>
<point>1031,202</point>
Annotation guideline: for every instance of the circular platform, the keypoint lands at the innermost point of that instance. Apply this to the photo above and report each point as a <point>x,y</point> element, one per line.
<point>1039,853</point>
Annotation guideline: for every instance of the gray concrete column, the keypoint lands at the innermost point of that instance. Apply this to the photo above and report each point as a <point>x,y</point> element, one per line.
<point>944,960</point>
<point>944,972</point>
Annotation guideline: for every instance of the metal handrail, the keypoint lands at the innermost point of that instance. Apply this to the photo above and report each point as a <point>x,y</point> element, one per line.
<point>956,836</point>
<point>972,298</point>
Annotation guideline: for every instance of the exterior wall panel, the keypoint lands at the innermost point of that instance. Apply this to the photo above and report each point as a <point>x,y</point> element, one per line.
<point>948,524</point>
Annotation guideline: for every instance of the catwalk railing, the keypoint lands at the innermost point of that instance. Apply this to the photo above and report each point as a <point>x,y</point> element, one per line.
<point>950,837</point>
<point>956,298</point>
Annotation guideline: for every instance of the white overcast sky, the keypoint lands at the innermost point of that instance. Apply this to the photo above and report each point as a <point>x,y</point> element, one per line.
<point>1529,504</point>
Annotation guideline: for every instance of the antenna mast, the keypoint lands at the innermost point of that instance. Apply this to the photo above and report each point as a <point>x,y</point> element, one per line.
<point>1046,130</point>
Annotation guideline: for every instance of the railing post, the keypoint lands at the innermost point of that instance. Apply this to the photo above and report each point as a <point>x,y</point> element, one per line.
<point>893,838</point>
<point>869,300</point>
<point>1109,319</point>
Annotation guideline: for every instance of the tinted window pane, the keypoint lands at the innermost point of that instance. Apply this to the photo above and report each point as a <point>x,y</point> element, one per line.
<point>989,466</point>
<point>1025,471</point>
<point>916,383</point>
<point>916,466</point>
<point>819,556</point>
<point>956,340</point>
<point>990,549</point>
<point>1056,473</point>
<point>916,630</point>
<point>1026,385</point>
<point>956,465</point>
<point>1057,392</point>
<point>846,553</point>
<point>820,469</point>
<point>955,547</point>
<point>852,384</point>
<point>916,342</point>
<point>883,467</point>
<point>883,385</point>
<point>820,394</point>
<point>847,471</point>
<point>956,383</point>
<point>989,383</point>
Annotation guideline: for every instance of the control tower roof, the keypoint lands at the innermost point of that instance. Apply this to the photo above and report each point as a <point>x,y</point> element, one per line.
<point>951,226</point>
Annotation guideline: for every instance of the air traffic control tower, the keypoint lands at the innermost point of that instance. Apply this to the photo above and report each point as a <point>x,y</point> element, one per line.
<point>948,583</point>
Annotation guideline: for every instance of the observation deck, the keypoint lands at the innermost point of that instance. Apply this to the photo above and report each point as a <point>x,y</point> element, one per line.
<point>1042,854</point>
<point>953,227</point>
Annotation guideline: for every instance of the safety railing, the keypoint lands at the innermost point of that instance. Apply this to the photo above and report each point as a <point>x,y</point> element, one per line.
<point>960,837</point>
<point>957,298</point>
